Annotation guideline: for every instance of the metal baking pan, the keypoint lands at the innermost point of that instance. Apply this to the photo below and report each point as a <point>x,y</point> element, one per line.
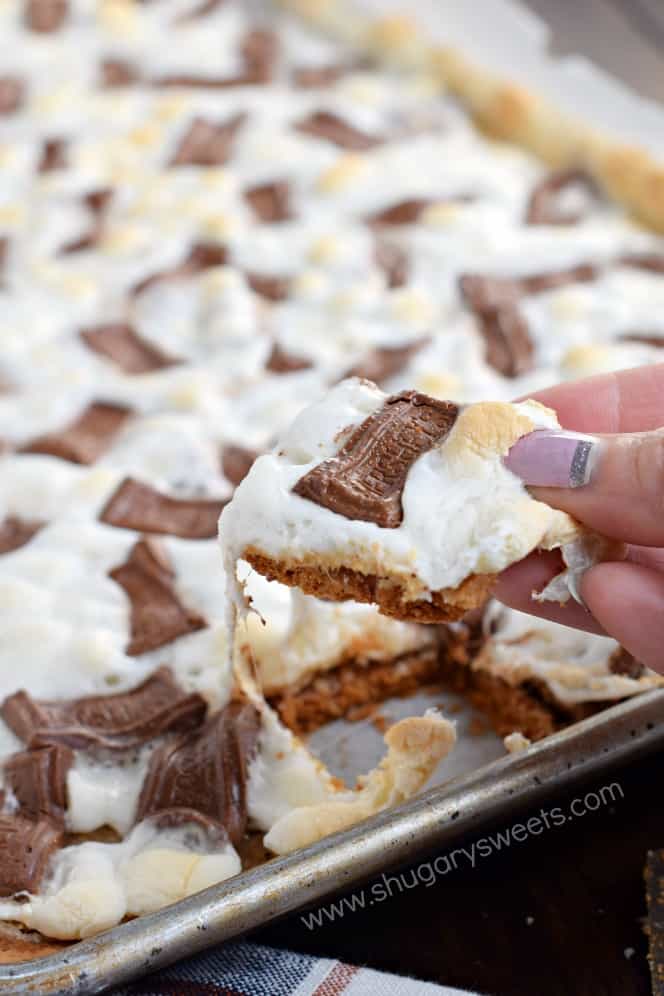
<point>434,819</point>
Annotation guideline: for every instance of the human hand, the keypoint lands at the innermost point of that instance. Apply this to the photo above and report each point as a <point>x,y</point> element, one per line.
<point>617,479</point>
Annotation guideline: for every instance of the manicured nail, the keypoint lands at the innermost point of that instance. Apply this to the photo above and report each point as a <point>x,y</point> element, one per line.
<point>550,458</point>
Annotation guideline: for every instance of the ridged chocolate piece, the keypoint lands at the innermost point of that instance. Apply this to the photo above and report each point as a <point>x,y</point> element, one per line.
<point>54,155</point>
<point>259,49</point>
<point>199,829</point>
<point>158,615</point>
<point>120,343</point>
<point>282,362</point>
<point>393,261</point>
<point>118,73</point>
<point>45,16</point>
<point>139,506</point>
<point>365,480</point>
<point>509,348</point>
<point>273,289</point>
<point>323,124</point>
<point>236,462</point>
<point>113,722</point>
<point>12,94</point>
<point>16,532</point>
<point>270,202</point>
<point>544,206</point>
<point>495,302</point>
<point>38,781</point>
<point>651,261</point>
<point>206,143</point>
<point>654,926</point>
<point>206,770</point>
<point>202,256</point>
<point>403,213</point>
<point>653,338</point>
<point>622,662</point>
<point>308,78</point>
<point>26,848</point>
<point>86,438</point>
<point>384,362</point>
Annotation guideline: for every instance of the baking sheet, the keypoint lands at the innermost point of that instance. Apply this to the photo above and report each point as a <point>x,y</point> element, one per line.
<point>437,818</point>
<point>351,749</point>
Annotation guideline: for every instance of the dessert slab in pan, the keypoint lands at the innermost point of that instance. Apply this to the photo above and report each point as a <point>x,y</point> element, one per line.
<point>434,820</point>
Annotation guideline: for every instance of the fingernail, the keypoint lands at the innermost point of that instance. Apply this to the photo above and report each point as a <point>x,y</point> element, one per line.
<point>551,458</point>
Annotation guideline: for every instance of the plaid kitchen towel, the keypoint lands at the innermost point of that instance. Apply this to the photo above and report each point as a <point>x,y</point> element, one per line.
<point>253,970</point>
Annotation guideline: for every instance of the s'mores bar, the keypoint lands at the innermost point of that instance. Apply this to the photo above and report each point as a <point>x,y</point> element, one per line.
<point>536,676</point>
<point>400,500</point>
<point>210,214</point>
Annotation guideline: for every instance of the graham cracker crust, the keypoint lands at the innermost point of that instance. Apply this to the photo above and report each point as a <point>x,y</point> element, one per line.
<point>342,584</point>
<point>353,688</point>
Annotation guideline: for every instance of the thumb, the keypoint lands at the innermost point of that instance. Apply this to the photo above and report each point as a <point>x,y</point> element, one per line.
<point>614,484</point>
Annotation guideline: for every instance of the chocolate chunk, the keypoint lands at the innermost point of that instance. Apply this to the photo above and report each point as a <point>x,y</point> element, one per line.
<point>544,206</point>
<point>157,615</point>
<point>38,781</point>
<point>12,94</point>
<point>117,73</point>
<point>281,362</point>
<point>120,343</point>
<point>45,16</point>
<point>200,830</point>
<point>651,261</point>
<point>202,256</point>
<point>270,202</point>
<point>654,927</point>
<point>260,49</point>
<point>509,348</point>
<point>26,848</point>
<point>206,770</point>
<point>206,143</point>
<point>113,722</point>
<point>622,662</point>
<point>366,478</point>
<point>486,294</point>
<point>86,438</point>
<point>97,203</point>
<point>494,300</point>
<point>402,213</point>
<point>54,155</point>
<point>323,124</point>
<point>311,77</point>
<point>236,462</point>
<point>537,283</point>
<point>384,362</point>
<point>645,338</point>
<point>138,506</point>
<point>271,288</point>
<point>15,532</point>
<point>393,261</point>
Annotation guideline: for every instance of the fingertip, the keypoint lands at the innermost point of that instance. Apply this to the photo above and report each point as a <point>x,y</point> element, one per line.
<point>628,600</point>
<point>517,583</point>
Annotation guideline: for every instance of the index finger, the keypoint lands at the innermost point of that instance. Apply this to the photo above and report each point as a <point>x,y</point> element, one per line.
<point>628,401</point>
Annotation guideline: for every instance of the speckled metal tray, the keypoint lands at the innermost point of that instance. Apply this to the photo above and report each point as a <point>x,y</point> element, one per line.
<point>434,819</point>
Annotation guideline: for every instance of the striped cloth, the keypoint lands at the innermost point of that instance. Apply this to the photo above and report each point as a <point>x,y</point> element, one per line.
<point>254,970</point>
